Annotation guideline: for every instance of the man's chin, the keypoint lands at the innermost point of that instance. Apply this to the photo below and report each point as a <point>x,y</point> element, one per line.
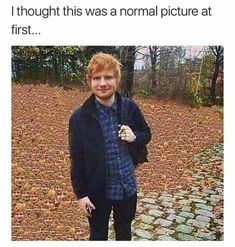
<point>105,96</point>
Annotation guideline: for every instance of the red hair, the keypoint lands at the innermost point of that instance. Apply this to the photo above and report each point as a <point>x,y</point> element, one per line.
<point>102,61</point>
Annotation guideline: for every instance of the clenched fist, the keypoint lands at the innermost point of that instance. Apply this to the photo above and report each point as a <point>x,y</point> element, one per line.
<point>126,134</point>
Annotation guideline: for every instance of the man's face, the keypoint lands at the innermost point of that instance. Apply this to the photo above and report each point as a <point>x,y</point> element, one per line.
<point>103,84</point>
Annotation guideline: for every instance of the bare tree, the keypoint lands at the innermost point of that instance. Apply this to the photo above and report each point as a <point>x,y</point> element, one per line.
<point>154,52</point>
<point>127,55</point>
<point>218,51</point>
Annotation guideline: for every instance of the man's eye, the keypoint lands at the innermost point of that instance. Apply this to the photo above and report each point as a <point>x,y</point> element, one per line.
<point>96,78</point>
<point>108,77</point>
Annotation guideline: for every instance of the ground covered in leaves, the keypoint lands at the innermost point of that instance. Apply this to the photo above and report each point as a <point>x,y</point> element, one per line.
<point>43,204</point>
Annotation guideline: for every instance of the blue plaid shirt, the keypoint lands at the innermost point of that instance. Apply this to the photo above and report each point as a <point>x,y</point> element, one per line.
<point>119,163</point>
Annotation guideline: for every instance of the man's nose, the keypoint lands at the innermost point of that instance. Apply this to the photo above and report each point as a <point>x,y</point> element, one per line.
<point>102,81</point>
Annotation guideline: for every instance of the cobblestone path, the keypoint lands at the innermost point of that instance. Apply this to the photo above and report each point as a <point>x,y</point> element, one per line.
<point>194,213</point>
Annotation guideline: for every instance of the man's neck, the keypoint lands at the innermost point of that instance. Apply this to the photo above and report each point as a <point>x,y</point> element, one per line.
<point>106,102</point>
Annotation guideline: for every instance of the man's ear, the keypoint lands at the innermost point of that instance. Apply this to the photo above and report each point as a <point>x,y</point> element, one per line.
<point>118,84</point>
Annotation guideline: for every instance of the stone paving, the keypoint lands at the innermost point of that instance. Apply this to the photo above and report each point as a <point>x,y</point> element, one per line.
<point>191,214</point>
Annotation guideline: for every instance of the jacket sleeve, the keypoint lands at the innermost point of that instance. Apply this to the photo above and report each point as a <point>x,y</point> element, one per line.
<point>76,147</point>
<point>141,128</point>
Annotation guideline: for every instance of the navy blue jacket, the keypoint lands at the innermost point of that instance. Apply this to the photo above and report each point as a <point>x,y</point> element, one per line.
<point>87,148</point>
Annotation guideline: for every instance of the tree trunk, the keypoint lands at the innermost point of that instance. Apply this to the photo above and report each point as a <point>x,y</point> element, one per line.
<point>128,62</point>
<point>153,76</point>
<point>154,53</point>
<point>218,52</point>
<point>213,84</point>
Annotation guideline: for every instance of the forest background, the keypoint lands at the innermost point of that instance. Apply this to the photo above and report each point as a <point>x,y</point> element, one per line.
<point>192,74</point>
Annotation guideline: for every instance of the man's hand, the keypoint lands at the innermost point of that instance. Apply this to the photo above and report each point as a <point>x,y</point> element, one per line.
<point>86,205</point>
<point>126,134</point>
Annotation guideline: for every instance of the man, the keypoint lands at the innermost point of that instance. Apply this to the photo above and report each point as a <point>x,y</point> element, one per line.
<point>108,137</point>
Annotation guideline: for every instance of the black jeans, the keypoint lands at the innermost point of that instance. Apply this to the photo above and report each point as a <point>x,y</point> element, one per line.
<point>123,214</point>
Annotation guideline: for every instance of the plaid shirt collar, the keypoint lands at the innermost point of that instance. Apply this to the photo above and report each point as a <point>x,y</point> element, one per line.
<point>106,109</point>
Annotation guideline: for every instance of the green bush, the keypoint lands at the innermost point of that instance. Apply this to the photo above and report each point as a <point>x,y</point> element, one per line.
<point>143,93</point>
